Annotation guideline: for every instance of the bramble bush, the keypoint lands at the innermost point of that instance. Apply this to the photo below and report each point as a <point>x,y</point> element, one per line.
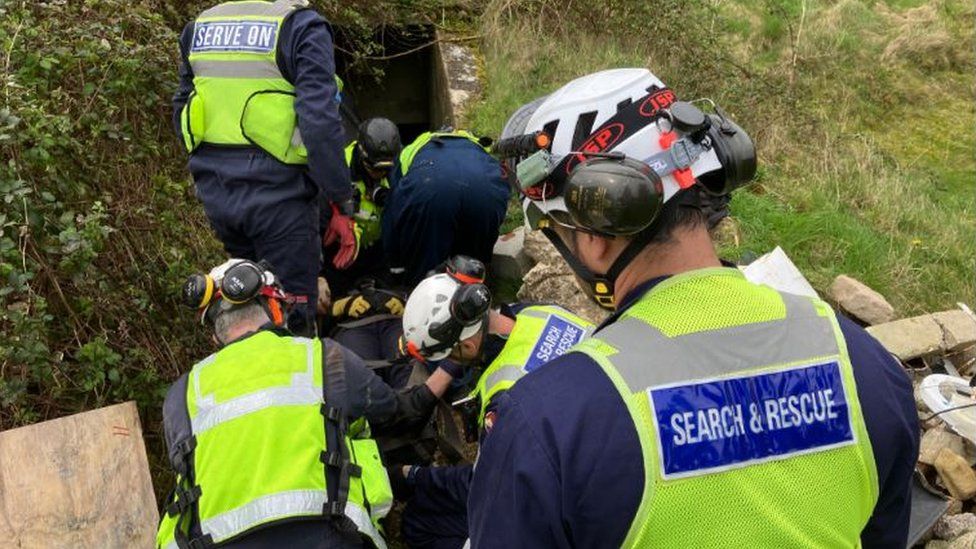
<point>99,223</point>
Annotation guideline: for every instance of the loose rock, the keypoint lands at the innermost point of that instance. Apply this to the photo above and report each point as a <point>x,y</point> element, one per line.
<point>555,283</point>
<point>958,328</point>
<point>955,472</point>
<point>909,338</point>
<point>953,526</point>
<point>539,249</point>
<point>509,259</point>
<point>934,440</point>
<point>861,301</point>
<point>967,541</point>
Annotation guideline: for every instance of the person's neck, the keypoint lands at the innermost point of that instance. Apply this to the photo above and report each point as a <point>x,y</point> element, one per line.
<point>499,324</point>
<point>688,250</point>
<point>238,331</point>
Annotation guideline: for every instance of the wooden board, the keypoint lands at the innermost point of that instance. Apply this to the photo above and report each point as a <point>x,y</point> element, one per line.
<point>79,481</point>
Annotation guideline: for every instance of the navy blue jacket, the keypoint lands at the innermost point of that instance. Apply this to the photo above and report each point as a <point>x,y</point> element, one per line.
<point>451,201</point>
<point>562,465</point>
<point>305,58</point>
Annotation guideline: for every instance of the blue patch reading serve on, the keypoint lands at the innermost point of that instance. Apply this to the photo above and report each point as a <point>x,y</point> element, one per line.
<point>557,337</point>
<point>727,423</point>
<point>234,36</point>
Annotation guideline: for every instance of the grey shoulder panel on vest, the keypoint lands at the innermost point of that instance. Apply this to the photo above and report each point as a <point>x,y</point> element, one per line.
<point>176,418</point>
<point>646,357</point>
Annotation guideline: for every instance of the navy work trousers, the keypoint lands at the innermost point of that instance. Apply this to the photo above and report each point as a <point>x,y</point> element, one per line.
<point>260,209</point>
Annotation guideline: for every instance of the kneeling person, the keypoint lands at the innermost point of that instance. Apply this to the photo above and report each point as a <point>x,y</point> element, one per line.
<point>447,316</point>
<point>263,434</point>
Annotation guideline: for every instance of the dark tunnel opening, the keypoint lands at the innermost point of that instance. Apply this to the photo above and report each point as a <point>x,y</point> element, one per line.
<point>401,82</point>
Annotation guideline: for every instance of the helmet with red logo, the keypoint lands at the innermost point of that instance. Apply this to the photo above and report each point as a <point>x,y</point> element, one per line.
<point>639,144</point>
<point>605,152</point>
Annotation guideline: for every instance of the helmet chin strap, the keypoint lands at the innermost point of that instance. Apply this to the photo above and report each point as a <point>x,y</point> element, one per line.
<point>600,285</point>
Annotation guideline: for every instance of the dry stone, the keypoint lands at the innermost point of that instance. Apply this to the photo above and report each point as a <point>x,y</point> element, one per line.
<point>954,526</point>
<point>555,283</point>
<point>955,472</point>
<point>967,541</point>
<point>958,329</point>
<point>509,259</point>
<point>909,338</point>
<point>934,440</point>
<point>539,249</point>
<point>937,544</point>
<point>861,301</point>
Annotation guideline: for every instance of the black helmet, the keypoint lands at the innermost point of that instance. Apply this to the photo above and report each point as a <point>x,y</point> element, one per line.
<point>379,142</point>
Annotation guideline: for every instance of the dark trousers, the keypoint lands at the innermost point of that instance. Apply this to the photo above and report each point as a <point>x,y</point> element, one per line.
<point>436,517</point>
<point>263,209</point>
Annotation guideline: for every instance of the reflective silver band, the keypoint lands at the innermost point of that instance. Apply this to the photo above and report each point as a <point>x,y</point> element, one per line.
<point>505,373</point>
<point>264,509</point>
<point>646,358</point>
<point>296,138</point>
<point>210,417</point>
<point>171,545</point>
<point>280,8</point>
<point>360,518</point>
<point>302,391</point>
<point>279,506</point>
<point>218,68</point>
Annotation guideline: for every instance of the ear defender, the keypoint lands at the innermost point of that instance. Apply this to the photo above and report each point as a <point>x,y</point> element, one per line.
<point>197,291</point>
<point>242,283</point>
<point>613,196</point>
<point>468,306</point>
<point>736,152</point>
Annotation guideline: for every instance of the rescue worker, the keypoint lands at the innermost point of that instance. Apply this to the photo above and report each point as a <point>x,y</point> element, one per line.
<point>257,109</point>
<point>513,340</point>
<point>370,159</point>
<point>448,197</point>
<point>706,411</point>
<point>269,436</point>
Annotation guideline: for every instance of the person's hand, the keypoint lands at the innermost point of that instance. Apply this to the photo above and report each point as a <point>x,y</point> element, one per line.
<point>325,297</point>
<point>343,229</point>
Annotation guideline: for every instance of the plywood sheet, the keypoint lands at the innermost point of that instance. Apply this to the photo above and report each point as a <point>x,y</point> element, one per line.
<point>79,481</point>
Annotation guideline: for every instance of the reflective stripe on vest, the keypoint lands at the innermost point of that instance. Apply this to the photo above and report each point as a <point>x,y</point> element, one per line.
<point>691,358</point>
<point>410,151</point>
<point>540,334</point>
<point>240,96</point>
<point>246,388</point>
<point>281,505</point>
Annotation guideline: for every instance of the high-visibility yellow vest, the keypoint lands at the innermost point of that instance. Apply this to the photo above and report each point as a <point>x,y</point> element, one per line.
<point>541,333</point>
<point>258,449</point>
<point>410,151</point>
<point>747,412</point>
<point>368,215</point>
<point>240,96</point>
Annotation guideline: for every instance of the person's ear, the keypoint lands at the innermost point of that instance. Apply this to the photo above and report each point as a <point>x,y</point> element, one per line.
<point>596,252</point>
<point>469,348</point>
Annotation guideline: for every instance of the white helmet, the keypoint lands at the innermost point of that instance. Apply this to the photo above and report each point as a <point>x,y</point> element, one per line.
<point>436,316</point>
<point>607,150</point>
<point>570,114</point>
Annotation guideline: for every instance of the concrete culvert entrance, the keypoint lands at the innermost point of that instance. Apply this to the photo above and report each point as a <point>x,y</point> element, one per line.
<point>399,83</point>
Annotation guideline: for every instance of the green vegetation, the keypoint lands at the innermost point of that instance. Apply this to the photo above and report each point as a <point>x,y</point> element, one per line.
<point>862,112</point>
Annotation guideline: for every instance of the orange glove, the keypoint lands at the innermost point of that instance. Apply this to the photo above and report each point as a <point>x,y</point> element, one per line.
<point>343,228</point>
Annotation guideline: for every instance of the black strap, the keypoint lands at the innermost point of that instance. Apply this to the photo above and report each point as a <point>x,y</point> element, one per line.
<point>629,120</point>
<point>601,286</point>
<point>336,451</point>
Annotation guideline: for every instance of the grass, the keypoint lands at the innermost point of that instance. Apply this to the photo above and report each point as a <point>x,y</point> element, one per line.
<point>862,113</point>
